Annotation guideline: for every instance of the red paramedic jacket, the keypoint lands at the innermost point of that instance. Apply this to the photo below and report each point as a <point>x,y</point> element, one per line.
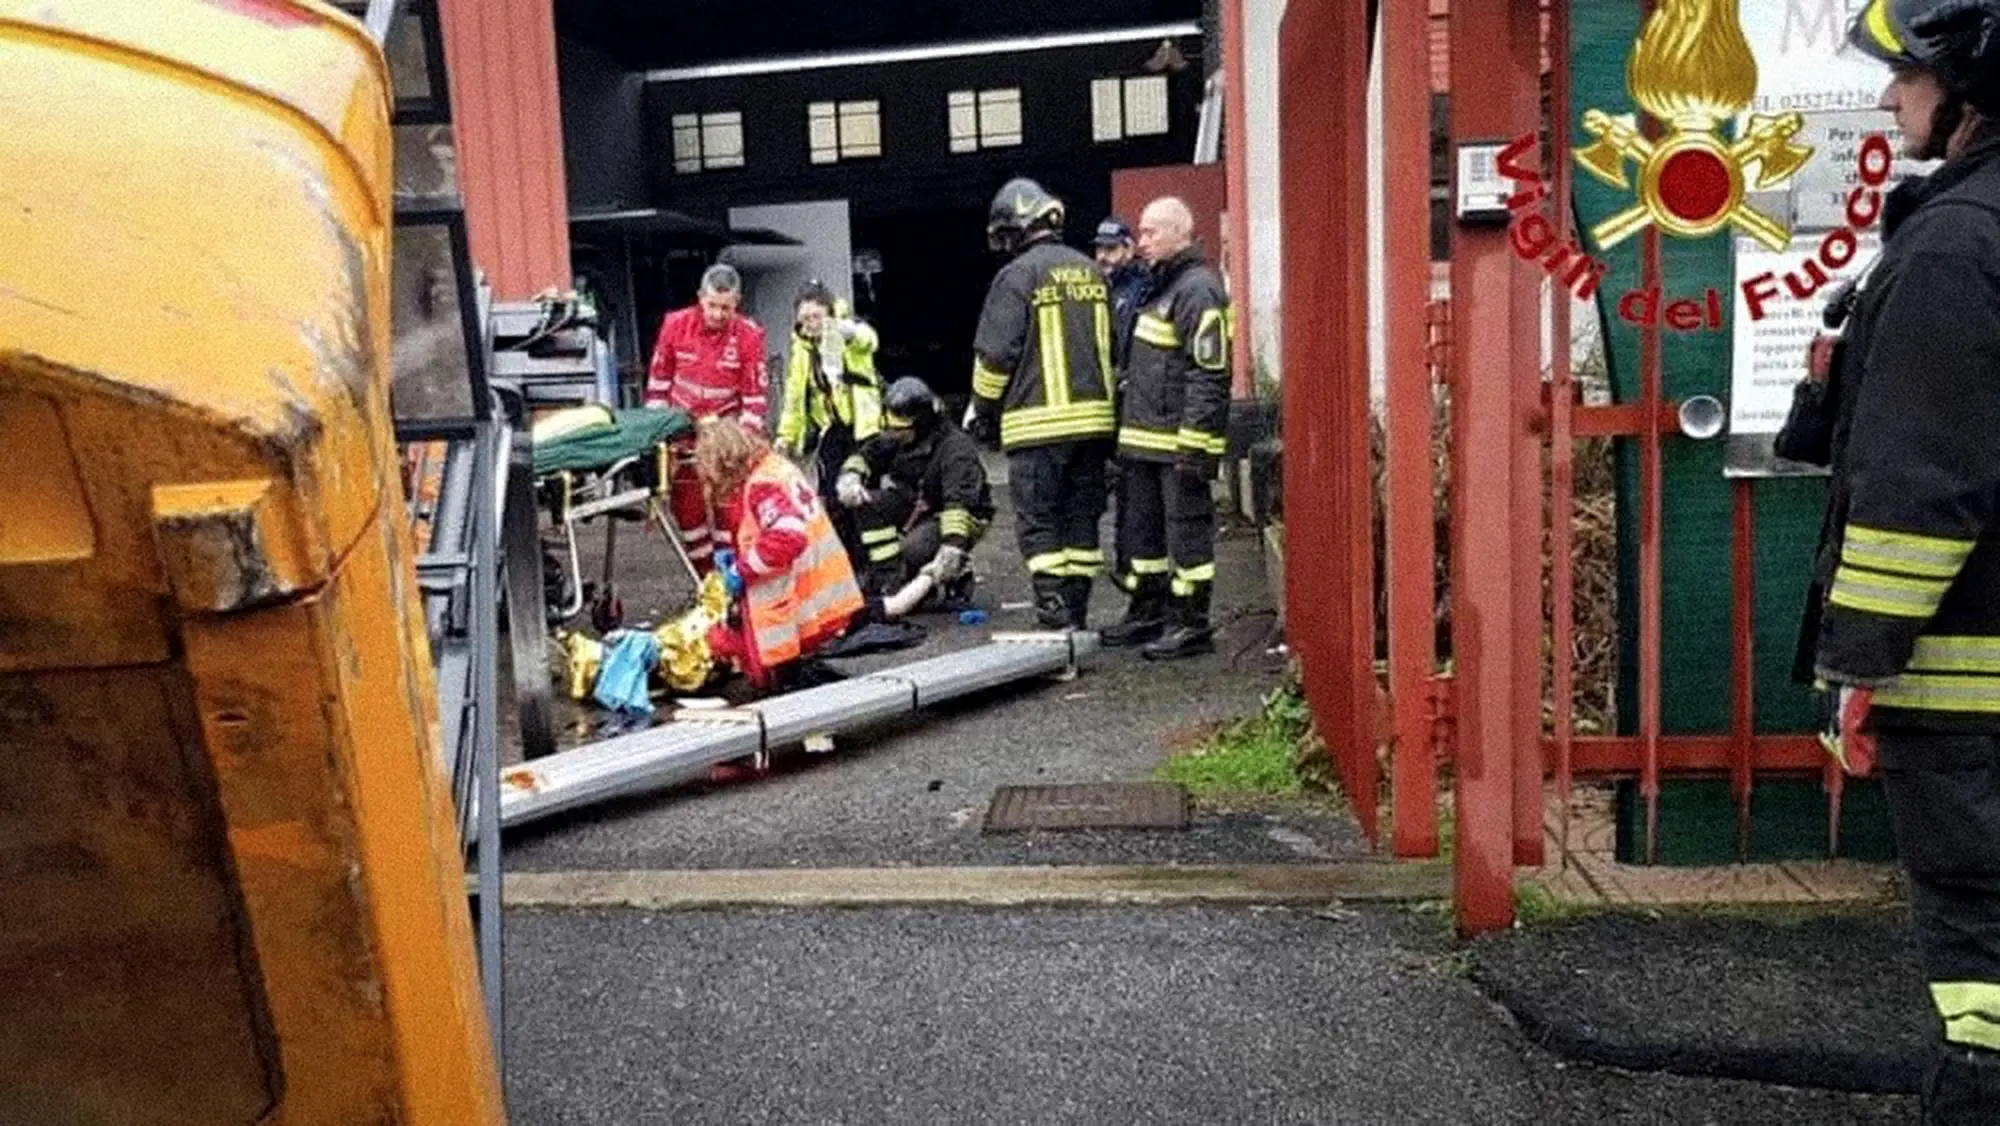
<point>708,372</point>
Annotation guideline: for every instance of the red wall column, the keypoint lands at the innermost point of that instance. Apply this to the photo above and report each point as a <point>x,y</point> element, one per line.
<point>507,123</point>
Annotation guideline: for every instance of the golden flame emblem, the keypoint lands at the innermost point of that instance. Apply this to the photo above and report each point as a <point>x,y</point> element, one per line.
<point>1691,70</point>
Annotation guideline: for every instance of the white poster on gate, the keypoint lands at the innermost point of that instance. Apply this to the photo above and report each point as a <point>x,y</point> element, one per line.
<point>1802,67</point>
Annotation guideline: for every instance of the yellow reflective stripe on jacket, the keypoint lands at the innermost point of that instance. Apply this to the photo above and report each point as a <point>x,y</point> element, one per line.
<point>956,522</point>
<point>1140,438</point>
<point>879,535</point>
<point>1892,596</point>
<point>1157,331</point>
<point>1213,445</point>
<point>1922,692</point>
<point>1971,1012</point>
<point>855,464</point>
<point>1053,356</point>
<point>1049,424</point>
<point>1102,313</point>
<point>1956,654</point>
<point>1904,553</point>
<point>986,382</point>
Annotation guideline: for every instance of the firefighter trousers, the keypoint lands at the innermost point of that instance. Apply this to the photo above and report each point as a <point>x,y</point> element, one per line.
<point>1166,527</point>
<point>1944,807</point>
<point>1059,497</point>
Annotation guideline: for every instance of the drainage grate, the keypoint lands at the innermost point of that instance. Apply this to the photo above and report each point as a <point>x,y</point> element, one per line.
<point>1093,805</point>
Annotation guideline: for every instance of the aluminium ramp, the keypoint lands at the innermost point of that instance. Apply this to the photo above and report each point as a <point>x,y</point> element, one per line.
<point>684,750</point>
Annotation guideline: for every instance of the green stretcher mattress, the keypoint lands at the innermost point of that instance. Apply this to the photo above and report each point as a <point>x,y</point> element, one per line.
<point>586,439</point>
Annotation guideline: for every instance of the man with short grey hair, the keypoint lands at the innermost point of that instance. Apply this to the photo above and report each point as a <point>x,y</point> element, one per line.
<point>709,362</point>
<point>1173,416</point>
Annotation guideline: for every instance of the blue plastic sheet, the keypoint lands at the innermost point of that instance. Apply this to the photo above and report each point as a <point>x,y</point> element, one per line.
<point>629,657</point>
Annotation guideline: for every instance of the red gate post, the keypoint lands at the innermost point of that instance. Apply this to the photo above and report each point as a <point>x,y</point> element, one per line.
<point>1562,440</point>
<point>1524,380</point>
<point>1410,406</point>
<point>1329,575</point>
<point>1485,582</point>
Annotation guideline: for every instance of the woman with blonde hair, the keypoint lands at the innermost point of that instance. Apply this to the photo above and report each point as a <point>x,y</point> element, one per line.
<point>791,587</point>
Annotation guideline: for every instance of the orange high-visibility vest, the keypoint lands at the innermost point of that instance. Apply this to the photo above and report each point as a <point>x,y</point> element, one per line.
<point>811,601</point>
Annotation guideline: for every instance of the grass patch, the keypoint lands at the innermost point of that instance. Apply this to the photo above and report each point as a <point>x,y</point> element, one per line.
<point>1259,755</point>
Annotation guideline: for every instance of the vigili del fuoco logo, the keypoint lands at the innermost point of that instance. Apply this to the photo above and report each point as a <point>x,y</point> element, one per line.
<point>1691,70</point>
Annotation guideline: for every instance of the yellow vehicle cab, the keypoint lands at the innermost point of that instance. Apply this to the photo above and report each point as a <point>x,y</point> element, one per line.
<point>233,883</point>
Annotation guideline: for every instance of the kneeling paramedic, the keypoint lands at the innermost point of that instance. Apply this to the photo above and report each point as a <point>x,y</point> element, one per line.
<point>922,479</point>
<point>1908,633</point>
<point>1042,383</point>
<point>790,585</point>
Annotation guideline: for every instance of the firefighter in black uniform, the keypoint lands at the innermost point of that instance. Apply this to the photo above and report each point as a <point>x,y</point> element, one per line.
<point>1173,419</point>
<point>1042,384</point>
<point>1908,632</point>
<point>924,478</point>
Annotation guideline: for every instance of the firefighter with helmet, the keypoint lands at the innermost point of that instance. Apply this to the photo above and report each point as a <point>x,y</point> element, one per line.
<point>922,477</point>
<point>1042,384</point>
<point>1907,634</point>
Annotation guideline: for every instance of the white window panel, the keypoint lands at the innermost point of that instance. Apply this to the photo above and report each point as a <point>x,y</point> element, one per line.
<point>722,140</point>
<point>1146,106</point>
<point>860,129</point>
<point>999,118</point>
<point>963,109</point>
<point>687,143</point>
<point>1107,110</point>
<point>823,132</point>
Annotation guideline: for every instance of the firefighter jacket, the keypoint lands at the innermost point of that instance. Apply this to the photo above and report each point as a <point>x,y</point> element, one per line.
<point>1176,390</point>
<point>709,371</point>
<point>1042,352</point>
<point>944,472</point>
<point>1910,557</point>
<point>824,386</point>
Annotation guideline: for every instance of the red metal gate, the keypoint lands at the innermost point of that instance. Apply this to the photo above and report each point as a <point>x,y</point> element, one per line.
<point>1482,719</point>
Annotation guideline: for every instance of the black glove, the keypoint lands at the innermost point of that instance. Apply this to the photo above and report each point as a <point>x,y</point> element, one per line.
<point>984,426</point>
<point>1195,464</point>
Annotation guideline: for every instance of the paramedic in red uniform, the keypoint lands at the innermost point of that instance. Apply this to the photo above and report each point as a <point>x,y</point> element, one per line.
<point>709,362</point>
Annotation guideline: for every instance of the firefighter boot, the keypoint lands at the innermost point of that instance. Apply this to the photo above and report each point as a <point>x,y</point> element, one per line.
<point>1145,617</point>
<point>1188,633</point>
<point>1076,600</point>
<point>1051,608</point>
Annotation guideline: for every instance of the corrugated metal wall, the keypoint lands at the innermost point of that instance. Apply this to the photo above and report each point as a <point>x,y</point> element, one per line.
<point>507,120</point>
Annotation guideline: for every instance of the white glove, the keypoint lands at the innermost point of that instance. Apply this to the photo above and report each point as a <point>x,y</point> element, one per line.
<point>950,562</point>
<point>971,412</point>
<point>850,490</point>
<point>846,328</point>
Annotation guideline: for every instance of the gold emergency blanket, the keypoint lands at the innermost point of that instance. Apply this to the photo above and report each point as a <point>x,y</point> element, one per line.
<point>685,662</point>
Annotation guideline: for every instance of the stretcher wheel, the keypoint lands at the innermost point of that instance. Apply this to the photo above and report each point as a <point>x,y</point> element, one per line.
<point>527,604</point>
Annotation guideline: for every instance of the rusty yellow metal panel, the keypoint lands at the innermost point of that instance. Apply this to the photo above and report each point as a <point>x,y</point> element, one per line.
<point>234,887</point>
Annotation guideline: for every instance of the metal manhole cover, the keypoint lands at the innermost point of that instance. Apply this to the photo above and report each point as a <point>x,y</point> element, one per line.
<point>1091,805</point>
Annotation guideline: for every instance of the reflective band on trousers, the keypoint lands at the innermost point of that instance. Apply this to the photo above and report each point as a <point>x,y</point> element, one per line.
<point>1971,1012</point>
<point>1188,579</point>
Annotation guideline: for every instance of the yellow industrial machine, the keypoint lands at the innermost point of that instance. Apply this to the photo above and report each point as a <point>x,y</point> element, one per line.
<point>233,882</point>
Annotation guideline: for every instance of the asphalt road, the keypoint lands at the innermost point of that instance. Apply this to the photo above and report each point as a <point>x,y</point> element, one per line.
<point>1105,1017</point>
